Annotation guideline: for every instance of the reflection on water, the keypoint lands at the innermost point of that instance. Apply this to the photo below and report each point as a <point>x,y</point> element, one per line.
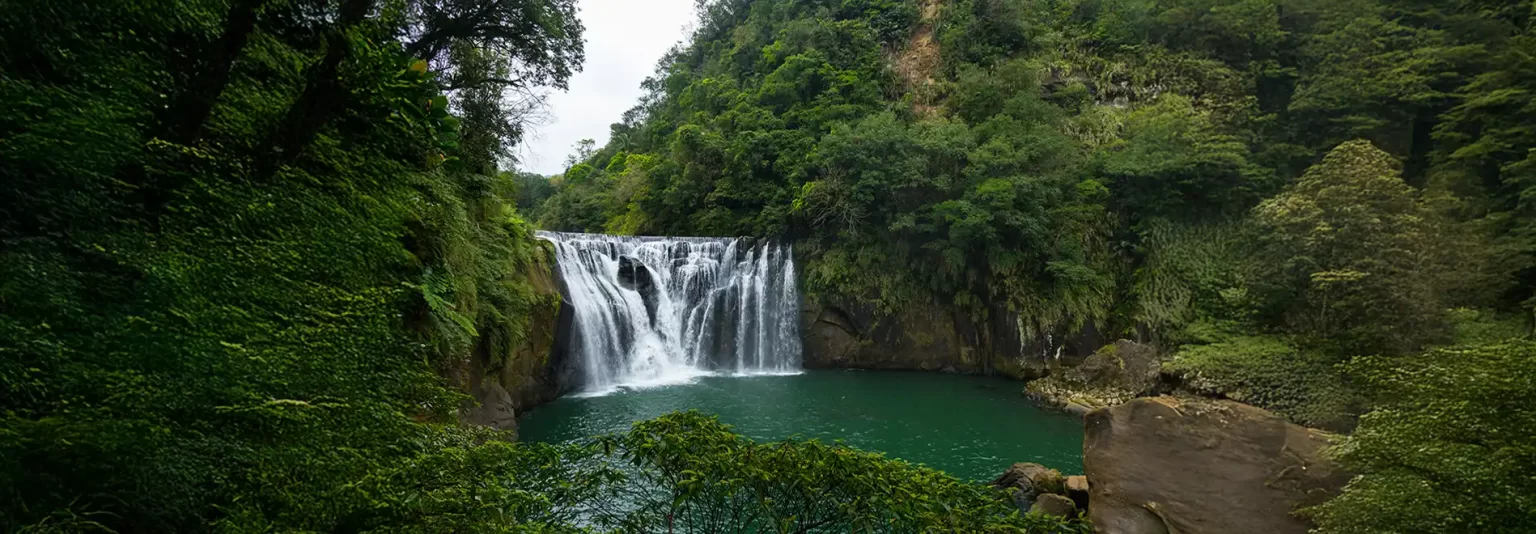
<point>971,427</point>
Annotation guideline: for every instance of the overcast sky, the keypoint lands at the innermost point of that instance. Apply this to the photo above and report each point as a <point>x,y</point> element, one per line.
<point>625,38</point>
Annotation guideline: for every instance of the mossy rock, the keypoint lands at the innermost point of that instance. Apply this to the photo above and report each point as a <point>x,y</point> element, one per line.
<point>1110,376</point>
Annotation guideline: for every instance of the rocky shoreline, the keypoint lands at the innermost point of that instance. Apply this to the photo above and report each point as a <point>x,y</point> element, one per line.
<point>1186,465</point>
<point>1112,375</point>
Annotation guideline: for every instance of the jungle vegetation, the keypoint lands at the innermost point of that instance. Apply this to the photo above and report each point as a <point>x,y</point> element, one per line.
<point>241,241</point>
<point>1325,208</point>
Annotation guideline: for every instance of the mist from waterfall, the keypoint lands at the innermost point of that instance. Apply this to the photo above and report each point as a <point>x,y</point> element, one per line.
<point>663,310</point>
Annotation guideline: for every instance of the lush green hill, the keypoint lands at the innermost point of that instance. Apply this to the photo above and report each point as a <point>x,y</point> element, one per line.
<point>239,241</point>
<point>1031,155</point>
<point>244,245</point>
<point>1298,196</point>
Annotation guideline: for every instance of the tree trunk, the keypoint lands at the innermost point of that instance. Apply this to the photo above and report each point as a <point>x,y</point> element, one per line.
<point>184,120</point>
<point>194,105</point>
<point>323,96</point>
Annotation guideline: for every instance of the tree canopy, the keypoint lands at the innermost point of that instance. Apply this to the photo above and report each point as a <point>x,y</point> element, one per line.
<point>1274,191</point>
<point>1017,154</point>
<point>241,241</point>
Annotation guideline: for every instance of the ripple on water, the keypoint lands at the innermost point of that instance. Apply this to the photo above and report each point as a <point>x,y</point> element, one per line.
<point>971,427</point>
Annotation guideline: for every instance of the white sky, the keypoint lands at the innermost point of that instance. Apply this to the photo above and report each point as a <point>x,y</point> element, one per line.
<point>625,38</point>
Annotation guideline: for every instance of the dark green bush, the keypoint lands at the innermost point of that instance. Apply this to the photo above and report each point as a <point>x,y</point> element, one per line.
<point>1268,372</point>
<point>1451,449</point>
<point>689,473</point>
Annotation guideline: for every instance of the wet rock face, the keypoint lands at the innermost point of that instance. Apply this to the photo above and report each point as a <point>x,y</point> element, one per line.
<point>931,337</point>
<point>635,275</point>
<point>1159,465</point>
<point>529,373</point>
<point>834,336</point>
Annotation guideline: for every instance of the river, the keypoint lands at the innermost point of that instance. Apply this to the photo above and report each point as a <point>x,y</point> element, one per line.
<point>970,427</point>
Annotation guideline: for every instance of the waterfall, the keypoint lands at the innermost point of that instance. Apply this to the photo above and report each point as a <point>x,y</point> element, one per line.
<point>663,310</point>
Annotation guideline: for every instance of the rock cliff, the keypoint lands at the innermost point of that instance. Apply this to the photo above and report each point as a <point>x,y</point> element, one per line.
<point>529,371</point>
<point>933,337</point>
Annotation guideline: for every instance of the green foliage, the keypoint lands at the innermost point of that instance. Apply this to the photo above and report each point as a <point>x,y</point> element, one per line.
<point>240,243</point>
<point>1346,248</point>
<point>1174,162</point>
<point>532,191</point>
<point>1488,137</point>
<point>1267,372</point>
<point>1450,450</point>
<point>1191,272</point>
<point>1482,327</point>
<point>986,31</point>
<point>688,472</point>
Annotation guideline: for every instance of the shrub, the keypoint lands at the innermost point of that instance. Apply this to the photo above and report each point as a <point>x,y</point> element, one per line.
<point>1264,371</point>
<point>1191,270</point>
<point>1479,327</point>
<point>690,473</point>
<point>1451,449</point>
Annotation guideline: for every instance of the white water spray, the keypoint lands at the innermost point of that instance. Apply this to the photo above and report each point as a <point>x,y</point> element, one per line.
<point>664,310</point>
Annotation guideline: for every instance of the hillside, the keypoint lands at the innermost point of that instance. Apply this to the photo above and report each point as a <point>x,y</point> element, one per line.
<point>270,265</point>
<point>1053,143</point>
<point>1302,203</point>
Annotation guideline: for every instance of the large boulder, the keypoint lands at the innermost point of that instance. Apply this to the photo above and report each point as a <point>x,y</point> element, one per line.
<point>1162,465</point>
<point>1031,480</point>
<point>1030,477</point>
<point>1112,375</point>
<point>1125,365</point>
<point>1054,505</point>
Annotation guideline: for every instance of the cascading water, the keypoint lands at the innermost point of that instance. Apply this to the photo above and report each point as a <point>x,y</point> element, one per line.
<point>661,310</point>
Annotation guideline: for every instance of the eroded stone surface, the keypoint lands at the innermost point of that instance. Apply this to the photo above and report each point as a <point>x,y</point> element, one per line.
<point>1160,464</point>
<point>527,373</point>
<point>1056,505</point>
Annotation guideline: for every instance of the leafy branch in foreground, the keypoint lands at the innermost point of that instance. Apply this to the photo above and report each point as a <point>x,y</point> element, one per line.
<point>690,473</point>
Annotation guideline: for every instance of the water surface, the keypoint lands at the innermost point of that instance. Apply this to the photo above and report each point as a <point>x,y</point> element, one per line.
<point>971,427</point>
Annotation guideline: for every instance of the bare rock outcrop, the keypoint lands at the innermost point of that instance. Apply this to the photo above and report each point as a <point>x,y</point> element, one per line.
<point>1054,505</point>
<point>931,336</point>
<point>1161,465</point>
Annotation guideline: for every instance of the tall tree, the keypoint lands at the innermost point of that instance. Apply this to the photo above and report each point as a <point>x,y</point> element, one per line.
<point>1349,247</point>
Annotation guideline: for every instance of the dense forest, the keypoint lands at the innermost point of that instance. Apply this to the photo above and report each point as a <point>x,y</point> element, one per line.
<point>1326,208</point>
<point>242,242</point>
<point>1070,159</point>
<point>239,239</point>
